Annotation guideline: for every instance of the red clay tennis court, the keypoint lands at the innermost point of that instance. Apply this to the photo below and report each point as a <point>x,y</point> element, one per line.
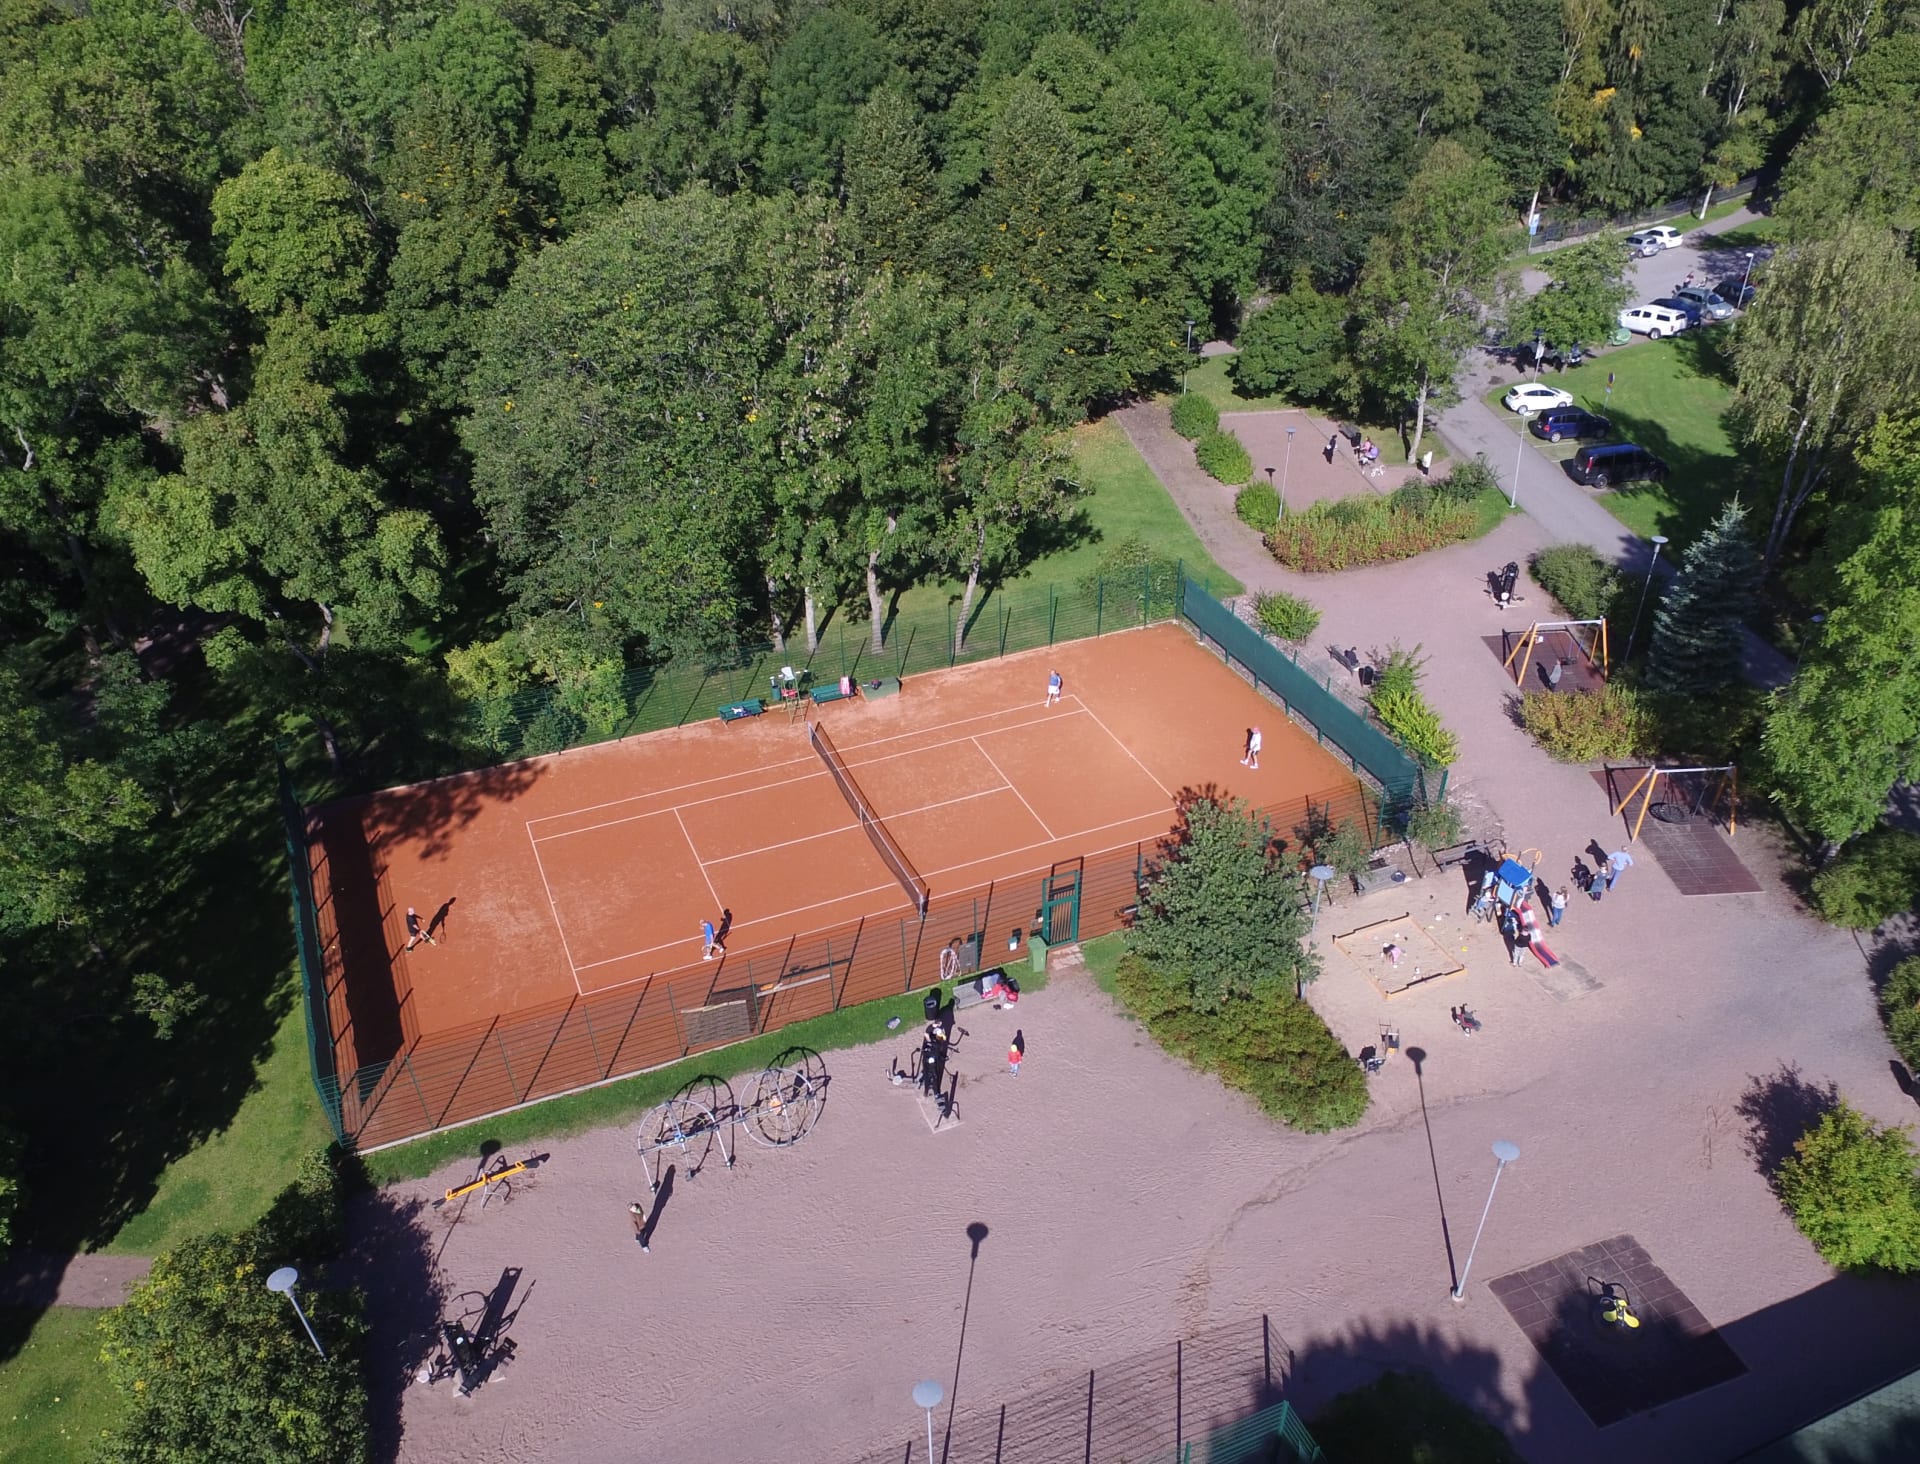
<point>567,892</point>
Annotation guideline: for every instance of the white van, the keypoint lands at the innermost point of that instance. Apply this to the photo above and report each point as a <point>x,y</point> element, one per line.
<point>1653,321</point>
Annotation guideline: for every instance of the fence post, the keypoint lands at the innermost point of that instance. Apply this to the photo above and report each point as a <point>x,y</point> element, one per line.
<point>1445,775</point>
<point>593,1044</point>
<point>1052,612</point>
<point>1099,603</point>
<point>512,1085</point>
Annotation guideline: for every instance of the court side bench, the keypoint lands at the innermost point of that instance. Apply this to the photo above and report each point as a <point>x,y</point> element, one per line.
<point>734,711</point>
<point>872,690</point>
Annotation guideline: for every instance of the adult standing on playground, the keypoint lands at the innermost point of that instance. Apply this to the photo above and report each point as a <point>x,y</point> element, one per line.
<point>1252,757</point>
<point>1618,863</point>
<point>1053,688</point>
<point>1525,927</point>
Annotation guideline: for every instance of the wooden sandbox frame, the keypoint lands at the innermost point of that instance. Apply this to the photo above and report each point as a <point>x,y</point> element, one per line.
<point>1424,962</point>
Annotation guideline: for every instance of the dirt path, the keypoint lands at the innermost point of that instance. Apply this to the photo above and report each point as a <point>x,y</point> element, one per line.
<point>31,1279</point>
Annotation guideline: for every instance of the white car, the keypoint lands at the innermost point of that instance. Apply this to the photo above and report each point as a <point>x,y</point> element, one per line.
<point>1530,397</point>
<point>1653,321</point>
<point>1648,242</point>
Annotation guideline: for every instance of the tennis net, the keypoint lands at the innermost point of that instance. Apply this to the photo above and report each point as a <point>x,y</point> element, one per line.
<point>890,852</point>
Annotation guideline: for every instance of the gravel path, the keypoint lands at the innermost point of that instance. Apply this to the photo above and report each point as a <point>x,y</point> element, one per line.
<point>30,1279</point>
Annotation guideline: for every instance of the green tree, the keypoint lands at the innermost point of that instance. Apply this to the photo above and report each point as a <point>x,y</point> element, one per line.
<point>1850,1187</point>
<point>607,403</point>
<point>1831,36</point>
<point>1858,162</point>
<point>1847,728</point>
<point>458,229</point>
<point>687,108</point>
<point>1429,282</point>
<point>1587,285</point>
<point>563,161</point>
<point>1192,62</point>
<point>268,520</point>
<point>1813,372</point>
<point>295,237</point>
<point>212,1364</point>
<point>891,193</point>
<point>1700,624</point>
<point>1298,346</point>
<point>1222,912</point>
<point>821,77</point>
<point>67,818</point>
<point>1343,124</point>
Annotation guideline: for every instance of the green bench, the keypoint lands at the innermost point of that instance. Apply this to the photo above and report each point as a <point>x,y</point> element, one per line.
<point>828,692</point>
<point>734,711</point>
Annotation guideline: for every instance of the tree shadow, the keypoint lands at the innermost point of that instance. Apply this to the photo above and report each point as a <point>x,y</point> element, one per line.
<point>1778,1108</point>
<point>393,1250</point>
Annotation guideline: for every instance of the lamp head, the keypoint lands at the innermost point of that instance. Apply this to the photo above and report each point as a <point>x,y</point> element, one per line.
<point>1505,1152</point>
<point>928,1394</point>
<point>282,1280</point>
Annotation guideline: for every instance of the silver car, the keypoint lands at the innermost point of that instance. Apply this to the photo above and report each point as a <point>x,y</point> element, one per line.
<point>1705,301</point>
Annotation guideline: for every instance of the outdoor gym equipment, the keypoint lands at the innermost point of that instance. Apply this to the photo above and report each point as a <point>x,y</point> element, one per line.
<point>1588,637</point>
<point>1684,803</point>
<point>499,1174</point>
<point>782,1106</point>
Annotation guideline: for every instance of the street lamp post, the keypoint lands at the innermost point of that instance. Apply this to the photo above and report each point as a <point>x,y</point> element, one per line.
<point>282,1281</point>
<point>1519,456</point>
<point>1658,540</point>
<point>1188,365</point>
<point>1505,1153</point>
<point>927,1395</point>
<point>1745,275</point>
<point>1288,476</point>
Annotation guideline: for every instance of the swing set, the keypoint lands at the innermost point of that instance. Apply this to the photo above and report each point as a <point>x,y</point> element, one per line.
<point>1702,796</point>
<point>1588,637</point>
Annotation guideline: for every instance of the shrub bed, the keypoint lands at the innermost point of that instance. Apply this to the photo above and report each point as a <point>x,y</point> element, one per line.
<point>1271,1046</point>
<point>1194,416</point>
<point>1258,506</point>
<point>1285,617</point>
<point>1345,533</point>
<point>1585,584</point>
<point>1583,726</point>
<point>1874,878</point>
<point>1224,457</point>
<point>1408,718</point>
<point>1900,1008</point>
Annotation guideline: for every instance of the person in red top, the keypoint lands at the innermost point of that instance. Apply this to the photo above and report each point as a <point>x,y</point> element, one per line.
<point>1017,1051</point>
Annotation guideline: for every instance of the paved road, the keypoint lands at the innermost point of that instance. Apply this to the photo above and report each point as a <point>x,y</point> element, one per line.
<point>1566,512</point>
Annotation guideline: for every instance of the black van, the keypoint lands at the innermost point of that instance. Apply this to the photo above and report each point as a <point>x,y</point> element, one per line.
<point>1615,462</point>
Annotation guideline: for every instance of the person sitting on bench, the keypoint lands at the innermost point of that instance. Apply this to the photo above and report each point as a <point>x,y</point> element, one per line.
<point>1369,453</point>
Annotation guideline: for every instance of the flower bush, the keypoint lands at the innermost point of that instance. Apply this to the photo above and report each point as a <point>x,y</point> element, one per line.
<point>1583,726</point>
<point>1224,457</point>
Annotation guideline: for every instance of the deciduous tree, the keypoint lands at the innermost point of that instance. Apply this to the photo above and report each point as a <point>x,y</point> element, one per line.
<point>1222,911</point>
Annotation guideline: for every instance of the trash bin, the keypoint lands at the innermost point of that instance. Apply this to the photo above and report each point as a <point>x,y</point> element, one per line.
<point>1037,953</point>
<point>932,1004</point>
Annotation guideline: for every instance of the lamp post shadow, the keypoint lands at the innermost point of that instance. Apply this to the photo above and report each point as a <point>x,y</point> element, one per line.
<point>1418,1057</point>
<point>976,1232</point>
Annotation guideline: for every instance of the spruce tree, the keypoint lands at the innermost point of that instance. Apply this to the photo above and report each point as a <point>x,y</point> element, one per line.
<point>1697,629</point>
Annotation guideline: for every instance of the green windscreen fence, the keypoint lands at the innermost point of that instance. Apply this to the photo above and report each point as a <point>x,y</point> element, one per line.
<point>1366,748</point>
<point>306,934</point>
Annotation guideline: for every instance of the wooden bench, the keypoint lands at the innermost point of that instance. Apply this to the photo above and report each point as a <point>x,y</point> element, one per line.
<point>829,691</point>
<point>734,711</point>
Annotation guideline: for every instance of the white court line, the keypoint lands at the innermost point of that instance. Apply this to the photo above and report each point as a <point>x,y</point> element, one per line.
<point>818,772</point>
<point>1127,750</point>
<point>1016,792</point>
<point>1041,844</point>
<point>773,766</point>
<point>697,859</point>
<point>1017,874</point>
<point>844,828</point>
<point>782,915</point>
<point>554,908</point>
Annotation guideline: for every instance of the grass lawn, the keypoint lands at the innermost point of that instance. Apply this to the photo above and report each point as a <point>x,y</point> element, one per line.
<point>55,1400</point>
<point>1209,379</point>
<point>1103,960</point>
<point>228,1181</point>
<point>625,1100</point>
<point>1672,396</point>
